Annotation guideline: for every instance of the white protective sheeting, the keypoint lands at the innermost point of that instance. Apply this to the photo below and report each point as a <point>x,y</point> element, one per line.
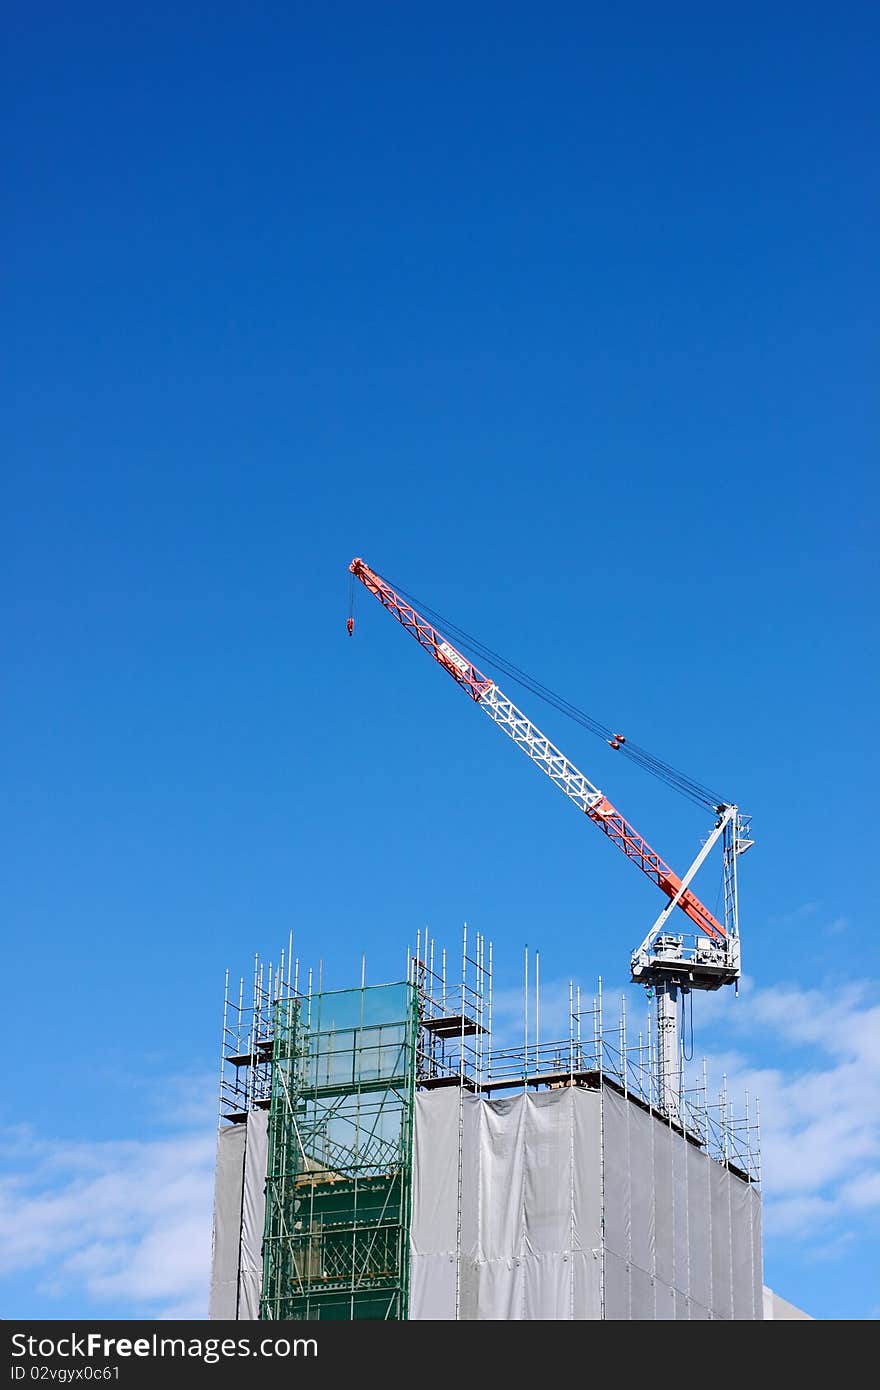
<point>228,1184</point>
<point>511,1230</point>
<point>434,1240</point>
<point>253,1214</point>
<point>239,1215</point>
<point>693,1276</point>
<point>682,1233</point>
<point>522,1240</point>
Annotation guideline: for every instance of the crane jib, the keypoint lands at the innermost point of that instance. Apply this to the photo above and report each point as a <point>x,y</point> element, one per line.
<point>540,750</point>
<point>459,662</point>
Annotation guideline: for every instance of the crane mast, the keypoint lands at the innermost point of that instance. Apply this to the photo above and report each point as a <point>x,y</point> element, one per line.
<point>668,963</point>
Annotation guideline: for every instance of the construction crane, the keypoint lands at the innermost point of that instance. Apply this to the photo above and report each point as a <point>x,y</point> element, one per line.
<point>668,963</point>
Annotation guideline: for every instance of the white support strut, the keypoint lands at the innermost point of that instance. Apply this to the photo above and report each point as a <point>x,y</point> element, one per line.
<point>726,817</point>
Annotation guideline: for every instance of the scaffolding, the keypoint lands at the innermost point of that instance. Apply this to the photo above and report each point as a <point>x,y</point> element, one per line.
<point>456,1046</point>
<point>339,1180</point>
<point>248,1034</point>
<point>338,1071</point>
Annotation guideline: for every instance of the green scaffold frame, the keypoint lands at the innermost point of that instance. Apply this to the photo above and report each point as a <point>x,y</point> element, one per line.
<point>339,1181</point>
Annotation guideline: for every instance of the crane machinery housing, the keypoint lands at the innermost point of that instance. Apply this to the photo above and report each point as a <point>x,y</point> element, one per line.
<point>670,963</point>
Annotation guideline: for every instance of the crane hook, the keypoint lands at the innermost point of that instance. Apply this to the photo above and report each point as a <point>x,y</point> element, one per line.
<point>349,622</point>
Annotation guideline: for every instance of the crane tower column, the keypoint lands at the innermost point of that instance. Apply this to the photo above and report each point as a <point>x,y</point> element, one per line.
<point>668,1047</point>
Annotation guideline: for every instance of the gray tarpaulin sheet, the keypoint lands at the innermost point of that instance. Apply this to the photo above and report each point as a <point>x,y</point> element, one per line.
<point>228,1183</point>
<point>694,1276</point>
<point>682,1233</point>
<point>745,1287</point>
<point>253,1213</point>
<point>239,1214</point>
<point>719,1217</point>
<point>433,1274</point>
<point>524,1242</point>
<point>757,1251</point>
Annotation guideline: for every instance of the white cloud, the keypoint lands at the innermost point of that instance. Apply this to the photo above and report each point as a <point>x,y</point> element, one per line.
<point>802,913</point>
<point>820,1104</point>
<point>791,1215</point>
<point>863,1191</point>
<point>115,1221</point>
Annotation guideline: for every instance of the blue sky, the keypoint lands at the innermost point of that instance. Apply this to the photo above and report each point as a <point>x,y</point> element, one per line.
<point>566,322</point>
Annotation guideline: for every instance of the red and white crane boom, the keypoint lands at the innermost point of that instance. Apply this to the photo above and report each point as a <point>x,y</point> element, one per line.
<point>664,962</point>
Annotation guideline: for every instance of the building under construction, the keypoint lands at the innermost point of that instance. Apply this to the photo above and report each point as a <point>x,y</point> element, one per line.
<point>381,1156</point>
<point>385,1153</point>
